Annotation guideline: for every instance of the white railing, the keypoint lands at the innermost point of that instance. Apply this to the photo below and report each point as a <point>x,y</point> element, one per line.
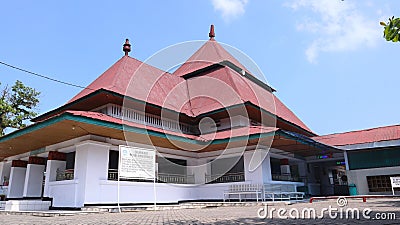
<point>287,177</point>
<point>112,174</point>
<point>161,177</point>
<point>225,178</point>
<point>145,119</point>
<point>175,178</point>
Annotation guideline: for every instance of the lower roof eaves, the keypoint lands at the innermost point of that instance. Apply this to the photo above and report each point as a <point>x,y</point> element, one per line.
<point>73,124</point>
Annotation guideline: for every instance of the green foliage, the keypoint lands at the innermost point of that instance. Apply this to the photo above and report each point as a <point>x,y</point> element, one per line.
<point>17,104</point>
<point>392,29</point>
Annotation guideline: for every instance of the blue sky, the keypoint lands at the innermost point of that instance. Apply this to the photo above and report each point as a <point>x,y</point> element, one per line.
<point>326,58</point>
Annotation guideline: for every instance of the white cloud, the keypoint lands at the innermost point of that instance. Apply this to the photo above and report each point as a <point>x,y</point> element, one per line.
<point>230,9</point>
<point>336,26</point>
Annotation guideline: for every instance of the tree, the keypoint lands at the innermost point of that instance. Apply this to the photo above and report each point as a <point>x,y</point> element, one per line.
<point>17,105</point>
<point>392,29</point>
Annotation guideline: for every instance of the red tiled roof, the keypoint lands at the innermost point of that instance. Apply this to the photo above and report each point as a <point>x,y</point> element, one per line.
<point>361,136</point>
<point>209,53</point>
<point>133,78</point>
<point>227,87</point>
<point>108,80</point>
<point>216,89</point>
<point>287,114</point>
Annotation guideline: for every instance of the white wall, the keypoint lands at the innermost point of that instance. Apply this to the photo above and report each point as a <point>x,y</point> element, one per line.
<point>91,166</point>
<point>51,174</point>
<point>359,178</point>
<point>64,193</point>
<point>143,192</point>
<point>92,187</point>
<point>213,191</point>
<point>90,184</point>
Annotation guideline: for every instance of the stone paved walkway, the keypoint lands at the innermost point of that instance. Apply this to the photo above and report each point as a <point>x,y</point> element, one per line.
<point>219,215</point>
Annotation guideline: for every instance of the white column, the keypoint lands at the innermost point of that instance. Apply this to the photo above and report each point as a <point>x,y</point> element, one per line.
<point>346,161</point>
<point>285,167</point>
<point>56,161</point>
<point>17,179</point>
<point>34,177</point>
<point>1,172</point>
<point>199,169</point>
<point>266,168</point>
<point>302,169</point>
<point>208,169</point>
<point>91,166</point>
<point>259,171</point>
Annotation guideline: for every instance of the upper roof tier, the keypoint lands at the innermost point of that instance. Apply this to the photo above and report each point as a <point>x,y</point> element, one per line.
<point>217,86</point>
<point>209,53</point>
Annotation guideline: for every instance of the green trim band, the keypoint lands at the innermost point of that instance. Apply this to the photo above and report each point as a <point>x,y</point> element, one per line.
<point>69,116</point>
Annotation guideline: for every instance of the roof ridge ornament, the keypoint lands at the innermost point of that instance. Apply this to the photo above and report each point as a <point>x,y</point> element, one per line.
<point>212,33</point>
<point>127,47</point>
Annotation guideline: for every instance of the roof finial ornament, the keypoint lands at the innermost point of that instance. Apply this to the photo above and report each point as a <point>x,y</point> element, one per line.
<point>212,33</point>
<point>127,47</point>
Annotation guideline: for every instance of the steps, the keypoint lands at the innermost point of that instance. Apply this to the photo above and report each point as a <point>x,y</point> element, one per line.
<point>191,205</point>
<point>26,205</point>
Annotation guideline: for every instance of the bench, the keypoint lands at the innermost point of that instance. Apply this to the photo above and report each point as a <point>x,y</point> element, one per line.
<point>265,192</point>
<point>242,191</point>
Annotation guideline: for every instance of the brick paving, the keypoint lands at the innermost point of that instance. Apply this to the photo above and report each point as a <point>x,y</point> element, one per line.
<point>218,215</point>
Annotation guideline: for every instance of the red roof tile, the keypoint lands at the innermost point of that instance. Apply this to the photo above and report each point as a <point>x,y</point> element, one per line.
<point>133,78</point>
<point>225,87</point>
<point>287,114</point>
<point>210,53</point>
<point>216,89</point>
<point>361,136</point>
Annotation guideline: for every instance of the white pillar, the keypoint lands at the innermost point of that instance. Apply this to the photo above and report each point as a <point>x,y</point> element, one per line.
<point>266,168</point>
<point>285,167</point>
<point>55,161</point>
<point>199,169</point>
<point>34,177</point>
<point>208,169</point>
<point>302,169</point>
<point>91,166</point>
<point>1,172</point>
<point>17,179</point>
<point>259,171</point>
<point>346,161</point>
